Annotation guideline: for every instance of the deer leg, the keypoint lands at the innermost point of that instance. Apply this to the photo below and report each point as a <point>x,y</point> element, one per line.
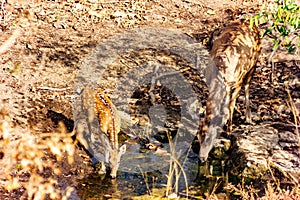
<point>247,94</point>
<point>233,95</point>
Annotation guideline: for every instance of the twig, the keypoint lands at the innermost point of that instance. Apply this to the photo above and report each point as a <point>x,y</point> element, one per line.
<point>113,2</point>
<point>145,179</point>
<point>295,32</point>
<point>10,41</point>
<point>183,173</point>
<point>153,81</point>
<point>284,173</point>
<point>294,111</point>
<point>53,89</point>
<point>271,63</point>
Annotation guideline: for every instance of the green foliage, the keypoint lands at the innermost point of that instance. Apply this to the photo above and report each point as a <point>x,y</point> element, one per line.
<point>281,23</point>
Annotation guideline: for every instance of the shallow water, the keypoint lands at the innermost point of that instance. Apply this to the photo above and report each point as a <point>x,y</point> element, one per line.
<point>146,174</point>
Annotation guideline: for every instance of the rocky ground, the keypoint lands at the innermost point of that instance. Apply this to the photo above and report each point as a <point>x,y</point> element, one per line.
<point>44,45</point>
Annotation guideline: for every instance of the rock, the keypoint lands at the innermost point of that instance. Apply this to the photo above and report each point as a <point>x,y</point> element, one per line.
<point>267,147</point>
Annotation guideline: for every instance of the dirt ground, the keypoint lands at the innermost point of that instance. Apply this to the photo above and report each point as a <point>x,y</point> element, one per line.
<point>49,40</point>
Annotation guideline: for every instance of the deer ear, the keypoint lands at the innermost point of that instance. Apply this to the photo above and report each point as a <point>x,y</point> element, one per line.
<point>122,149</point>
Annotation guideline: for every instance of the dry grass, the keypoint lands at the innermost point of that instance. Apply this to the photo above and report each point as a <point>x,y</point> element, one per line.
<point>176,170</point>
<point>25,158</point>
<point>295,111</point>
<point>271,192</point>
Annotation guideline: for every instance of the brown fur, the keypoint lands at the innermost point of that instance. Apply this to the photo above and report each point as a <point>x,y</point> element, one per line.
<point>107,115</point>
<point>235,50</point>
<point>101,107</point>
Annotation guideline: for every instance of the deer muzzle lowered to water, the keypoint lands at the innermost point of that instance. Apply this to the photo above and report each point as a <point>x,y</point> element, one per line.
<point>234,53</point>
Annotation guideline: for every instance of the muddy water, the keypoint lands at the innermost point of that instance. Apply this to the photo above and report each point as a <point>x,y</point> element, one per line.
<point>144,176</point>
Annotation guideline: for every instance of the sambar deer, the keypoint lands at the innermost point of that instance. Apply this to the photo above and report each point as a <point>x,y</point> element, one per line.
<point>234,52</point>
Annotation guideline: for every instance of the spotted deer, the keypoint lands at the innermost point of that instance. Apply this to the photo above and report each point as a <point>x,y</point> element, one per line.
<point>100,108</point>
<point>234,53</point>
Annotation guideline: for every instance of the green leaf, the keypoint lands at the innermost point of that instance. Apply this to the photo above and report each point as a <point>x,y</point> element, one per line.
<point>281,22</point>
<point>287,17</point>
<point>296,22</point>
<point>251,22</point>
<point>256,22</point>
<point>275,45</point>
<point>291,49</point>
<point>211,12</point>
<point>267,32</point>
<point>279,13</point>
<point>18,166</point>
<point>261,20</point>
<point>292,21</point>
